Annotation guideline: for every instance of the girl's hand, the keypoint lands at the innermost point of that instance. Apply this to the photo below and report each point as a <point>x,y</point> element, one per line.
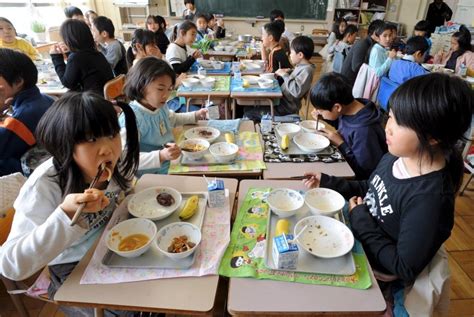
<point>179,79</point>
<point>170,152</point>
<point>354,202</point>
<point>64,48</point>
<point>197,54</point>
<point>95,200</point>
<point>313,180</point>
<point>55,49</point>
<point>282,71</point>
<point>392,54</point>
<point>201,114</point>
<point>333,136</point>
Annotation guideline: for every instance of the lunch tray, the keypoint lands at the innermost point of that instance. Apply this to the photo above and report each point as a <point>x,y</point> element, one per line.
<point>307,263</point>
<point>294,149</point>
<point>153,258</point>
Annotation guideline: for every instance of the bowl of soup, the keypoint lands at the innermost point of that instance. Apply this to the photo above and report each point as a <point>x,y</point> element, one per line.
<point>194,149</point>
<point>132,237</point>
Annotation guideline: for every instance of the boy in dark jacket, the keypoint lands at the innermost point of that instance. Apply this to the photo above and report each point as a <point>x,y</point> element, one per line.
<point>360,137</point>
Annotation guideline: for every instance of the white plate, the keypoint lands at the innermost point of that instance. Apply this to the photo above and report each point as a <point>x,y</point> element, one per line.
<point>324,237</point>
<point>144,204</point>
<point>253,80</point>
<point>196,133</point>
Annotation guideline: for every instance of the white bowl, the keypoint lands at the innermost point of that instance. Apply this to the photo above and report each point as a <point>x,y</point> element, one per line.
<point>252,80</point>
<point>205,63</point>
<point>209,134</point>
<point>265,83</point>
<point>268,76</point>
<point>289,129</point>
<point>219,48</point>
<point>324,237</point>
<point>310,126</point>
<point>190,82</point>
<point>224,152</point>
<point>252,66</point>
<point>127,228</point>
<point>428,67</point>
<point>192,143</point>
<point>324,201</point>
<point>144,204</point>
<point>285,202</point>
<point>166,234</point>
<point>208,82</point>
<point>311,142</point>
<point>218,65</point>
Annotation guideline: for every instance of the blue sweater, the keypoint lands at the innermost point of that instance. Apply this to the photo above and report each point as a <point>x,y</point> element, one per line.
<point>405,69</point>
<point>379,60</point>
<point>17,131</point>
<point>364,139</point>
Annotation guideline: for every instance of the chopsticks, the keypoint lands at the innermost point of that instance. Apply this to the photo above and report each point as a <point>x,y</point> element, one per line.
<point>94,182</point>
<point>301,177</point>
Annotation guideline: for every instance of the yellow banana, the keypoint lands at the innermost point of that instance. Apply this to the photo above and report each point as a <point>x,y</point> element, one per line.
<point>285,142</point>
<point>190,208</point>
<point>229,137</point>
<point>282,227</point>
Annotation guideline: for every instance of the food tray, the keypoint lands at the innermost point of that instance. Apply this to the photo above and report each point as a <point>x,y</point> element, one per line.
<point>293,149</point>
<point>153,258</point>
<point>307,263</point>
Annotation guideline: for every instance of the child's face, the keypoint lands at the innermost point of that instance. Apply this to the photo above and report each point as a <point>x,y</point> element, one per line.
<point>384,38</point>
<point>190,36</point>
<point>91,18</point>
<point>151,25</point>
<point>401,141</point>
<point>9,91</point>
<point>332,114</point>
<point>7,32</point>
<point>267,40</point>
<point>351,38</point>
<point>89,155</point>
<point>393,36</point>
<point>98,37</point>
<point>296,58</point>
<point>211,23</point>
<point>157,92</point>
<point>190,6</point>
<point>201,24</point>
<point>149,50</point>
<point>454,43</point>
<point>342,27</point>
<point>419,33</point>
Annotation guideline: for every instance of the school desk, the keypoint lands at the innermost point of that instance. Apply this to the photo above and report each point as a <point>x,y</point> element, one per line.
<point>48,80</point>
<point>245,125</point>
<point>252,297</point>
<point>190,295</point>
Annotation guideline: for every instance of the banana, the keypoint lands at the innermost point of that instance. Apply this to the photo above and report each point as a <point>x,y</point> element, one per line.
<point>282,227</point>
<point>285,142</point>
<point>229,137</point>
<point>190,208</point>
<point>245,83</point>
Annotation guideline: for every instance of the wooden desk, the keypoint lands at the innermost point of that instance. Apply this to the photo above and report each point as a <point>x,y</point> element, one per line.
<point>252,297</point>
<point>245,125</point>
<point>48,80</point>
<point>287,170</point>
<point>193,295</point>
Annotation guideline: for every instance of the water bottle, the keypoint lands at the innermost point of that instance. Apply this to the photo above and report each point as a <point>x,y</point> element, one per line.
<point>202,71</point>
<point>266,124</point>
<point>463,70</point>
<point>236,70</point>
<point>212,111</point>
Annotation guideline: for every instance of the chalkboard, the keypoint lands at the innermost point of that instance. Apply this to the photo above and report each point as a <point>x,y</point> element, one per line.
<point>293,9</point>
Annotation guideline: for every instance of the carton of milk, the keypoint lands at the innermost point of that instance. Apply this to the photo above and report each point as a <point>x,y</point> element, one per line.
<point>285,252</point>
<point>216,191</point>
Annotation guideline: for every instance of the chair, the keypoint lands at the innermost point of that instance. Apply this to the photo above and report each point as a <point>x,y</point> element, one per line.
<point>113,89</point>
<point>468,155</point>
<point>387,87</point>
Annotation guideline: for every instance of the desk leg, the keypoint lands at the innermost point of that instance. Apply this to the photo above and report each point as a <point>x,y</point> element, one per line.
<point>188,101</point>
<point>234,104</point>
<point>98,312</point>
<point>270,101</point>
<point>226,107</point>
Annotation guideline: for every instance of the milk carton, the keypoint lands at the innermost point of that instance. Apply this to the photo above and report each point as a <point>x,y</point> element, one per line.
<point>216,191</point>
<point>285,253</point>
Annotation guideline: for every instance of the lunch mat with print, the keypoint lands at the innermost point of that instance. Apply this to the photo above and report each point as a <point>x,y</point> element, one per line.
<point>222,84</point>
<point>250,157</point>
<point>244,256</point>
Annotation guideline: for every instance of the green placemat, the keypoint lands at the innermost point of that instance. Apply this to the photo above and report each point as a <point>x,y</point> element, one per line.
<point>244,256</point>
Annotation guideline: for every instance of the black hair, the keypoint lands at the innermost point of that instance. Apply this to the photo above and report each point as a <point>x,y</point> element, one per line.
<point>143,73</point>
<point>161,22</point>
<point>350,29</point>
<point>374,25</point>
<point>391,26</point>
<point>104,24</point>
<point>335,27</point>
<point>416,43</point>
<point>210,17</point>
<point>423,26</point>
<point>439,107</point>
<point>80,116</point>
<point>188,1</point>
<point>275,29</point>
<point>201,16</point>
<point>330,89</point>
<point>72,11</point>
<point>186,26</point>
<point>463,36</point>
<point>304,45</point>
<point>275,14</point>
<point>378,30</point>
<point>142,37</point>
<point>16,66</point>
<point>2,19</point>
<point>77,35</point>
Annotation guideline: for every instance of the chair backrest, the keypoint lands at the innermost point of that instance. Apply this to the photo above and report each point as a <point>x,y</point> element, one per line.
<point>113,89</point>
<point>387,87</point>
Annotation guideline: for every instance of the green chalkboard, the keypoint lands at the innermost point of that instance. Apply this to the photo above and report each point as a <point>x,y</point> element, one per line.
<point>293,9</point>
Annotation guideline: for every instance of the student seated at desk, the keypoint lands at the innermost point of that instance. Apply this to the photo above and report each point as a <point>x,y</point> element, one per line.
<point>86,68</point>
<point>405,212</point>
<point>114,51</point>
<point>157,24</point>
<point>277,57</point>
<point>81,132</point>
<point>460,52</point>
<point>8,39</point>
<point>143,44</point>
<point>296,82</point>
<point>216,25</point>
<point>149,84</point>
<point>179,54</point>
<point>409,66</point>
<point>18,76</point>
<point>202,27</point>
<point>360,137</point>
<point>379,60</point>
<point>190,12</point>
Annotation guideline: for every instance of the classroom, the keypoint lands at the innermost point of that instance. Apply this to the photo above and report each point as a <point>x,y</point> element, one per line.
<point>236,158</point>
